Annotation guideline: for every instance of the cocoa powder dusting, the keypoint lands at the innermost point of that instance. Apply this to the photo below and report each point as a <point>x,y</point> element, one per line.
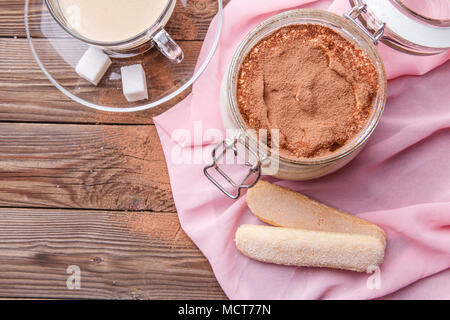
<point>131,173</point>
<point>157,227</point>
<point>313,85</point>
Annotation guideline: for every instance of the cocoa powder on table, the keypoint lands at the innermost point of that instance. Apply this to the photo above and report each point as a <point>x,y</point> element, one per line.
<point>312,84</point>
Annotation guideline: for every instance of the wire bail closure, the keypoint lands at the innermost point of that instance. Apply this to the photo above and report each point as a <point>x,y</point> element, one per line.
<point>219,152</point>
<point>355,13</point>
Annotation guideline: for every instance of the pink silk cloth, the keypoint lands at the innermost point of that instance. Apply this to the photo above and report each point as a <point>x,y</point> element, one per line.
<point>400,181</point>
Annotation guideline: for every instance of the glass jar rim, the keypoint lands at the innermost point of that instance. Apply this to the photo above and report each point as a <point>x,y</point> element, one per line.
<point>422,17</point>
<point>312,16</point>
<point>404,29</point>
<point>155,26</point>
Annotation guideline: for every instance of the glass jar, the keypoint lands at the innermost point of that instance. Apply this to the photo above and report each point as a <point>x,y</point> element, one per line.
<point>263,160</point>
<point>267,161</point>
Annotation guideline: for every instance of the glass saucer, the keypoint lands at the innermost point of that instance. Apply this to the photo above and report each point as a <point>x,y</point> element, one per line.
<point>57,54</point>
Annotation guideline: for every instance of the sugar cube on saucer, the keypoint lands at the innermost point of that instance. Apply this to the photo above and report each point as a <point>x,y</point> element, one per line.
<point>134,83</point>
<point>93,65</point>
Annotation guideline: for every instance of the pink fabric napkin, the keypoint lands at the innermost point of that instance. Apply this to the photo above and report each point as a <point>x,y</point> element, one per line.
<point>400,181</point>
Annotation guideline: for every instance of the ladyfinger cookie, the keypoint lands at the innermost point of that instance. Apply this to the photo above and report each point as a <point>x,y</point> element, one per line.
<point>307,248</point>
<point>282,207</point>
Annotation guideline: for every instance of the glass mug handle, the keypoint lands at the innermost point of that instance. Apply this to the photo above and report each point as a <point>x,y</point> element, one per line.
<point>168,46</point>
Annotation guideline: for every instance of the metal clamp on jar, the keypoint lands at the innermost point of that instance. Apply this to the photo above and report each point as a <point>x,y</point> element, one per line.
<point>389,21</point>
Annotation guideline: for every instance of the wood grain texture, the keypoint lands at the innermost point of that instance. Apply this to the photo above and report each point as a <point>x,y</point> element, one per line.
<point>83,166</point>
<point>63,160</point>
<point>189,21</point>
<point>115,262</point>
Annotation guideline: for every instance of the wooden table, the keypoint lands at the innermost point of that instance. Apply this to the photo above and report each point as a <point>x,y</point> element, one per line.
<point>70,185</point>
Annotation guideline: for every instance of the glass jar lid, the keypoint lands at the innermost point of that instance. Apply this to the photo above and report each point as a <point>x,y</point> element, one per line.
<point>414,26</point>
<point>170,48</point>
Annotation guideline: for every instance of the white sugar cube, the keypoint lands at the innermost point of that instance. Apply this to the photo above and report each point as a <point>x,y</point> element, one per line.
<point>134,83</point>
<point>93,65</point>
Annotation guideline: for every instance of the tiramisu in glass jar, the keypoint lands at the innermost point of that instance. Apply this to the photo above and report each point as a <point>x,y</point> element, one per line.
<point>314,84</point>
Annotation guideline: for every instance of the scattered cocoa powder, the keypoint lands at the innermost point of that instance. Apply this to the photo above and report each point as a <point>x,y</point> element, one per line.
<point>312,84</point>
<point>130,171</point>
<point>162,227</point>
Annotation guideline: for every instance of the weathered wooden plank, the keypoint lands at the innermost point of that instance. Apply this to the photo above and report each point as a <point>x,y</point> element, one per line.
<point>27,95</point>
<point>116,258</point>
<point>120,254</point>
<point>83,166</point>
<point>189,21</point>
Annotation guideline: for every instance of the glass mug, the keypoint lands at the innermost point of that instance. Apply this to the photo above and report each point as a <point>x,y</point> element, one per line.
<point>154,35</point>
